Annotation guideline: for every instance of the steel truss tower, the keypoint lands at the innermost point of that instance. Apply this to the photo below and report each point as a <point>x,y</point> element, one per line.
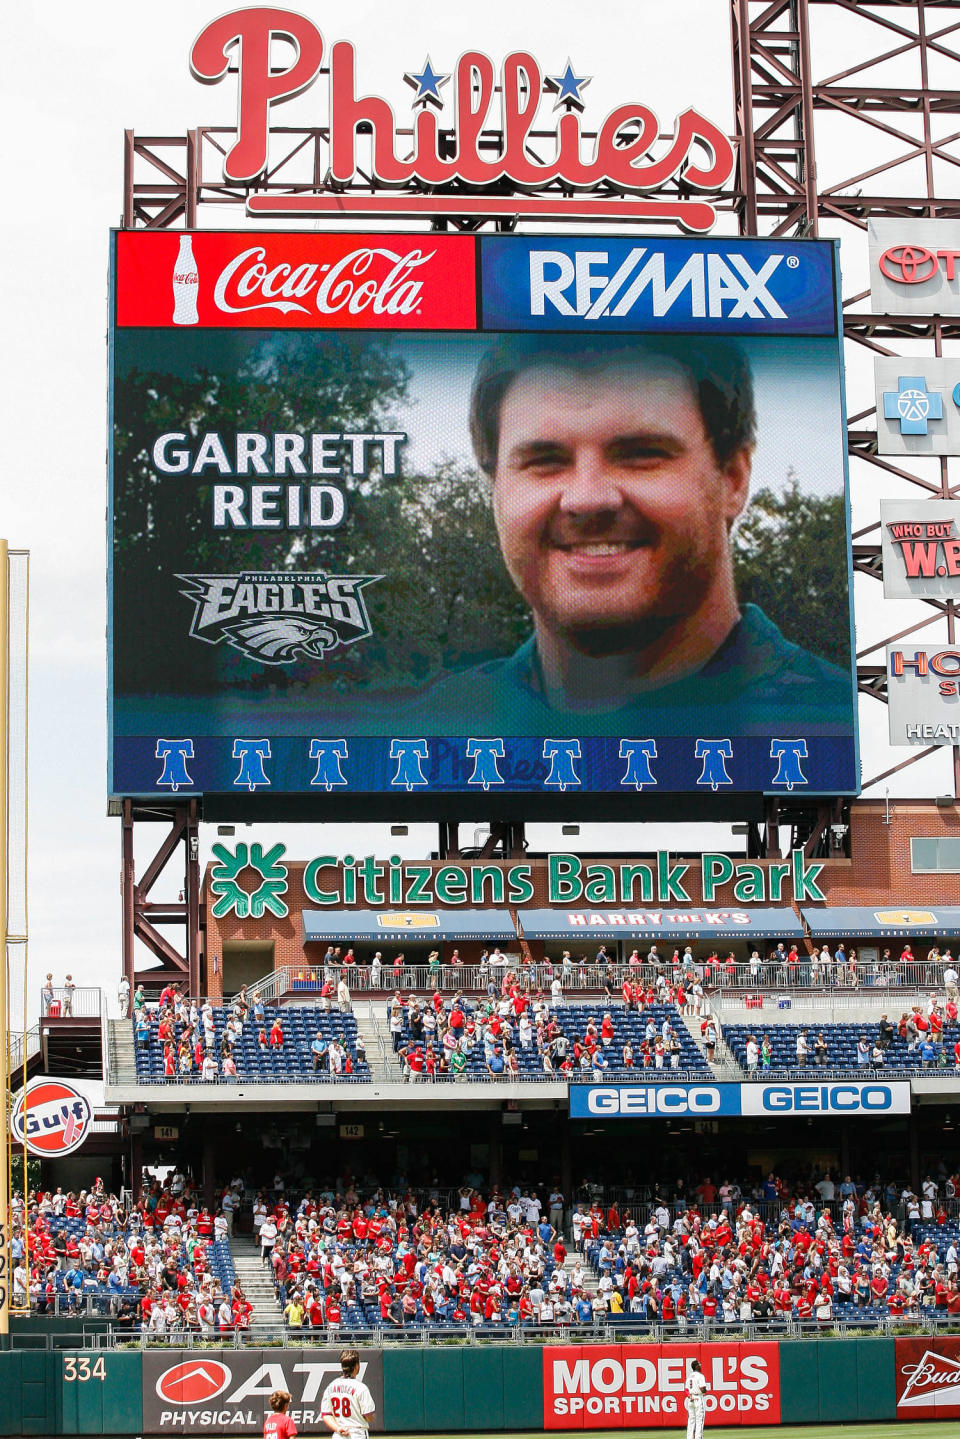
<point>817,84</point>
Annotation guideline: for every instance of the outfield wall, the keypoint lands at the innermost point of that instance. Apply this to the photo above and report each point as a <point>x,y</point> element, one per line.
<point>490,1387</point>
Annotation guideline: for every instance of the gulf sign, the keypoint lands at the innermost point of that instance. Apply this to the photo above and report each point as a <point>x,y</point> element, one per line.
<point>642,1386</point>
<point>51,1118</point>
<point>928,1378</point>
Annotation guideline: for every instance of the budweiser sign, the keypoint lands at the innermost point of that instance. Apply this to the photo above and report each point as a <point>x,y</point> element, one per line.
<point>928,1378</point>
<point>378,282</point>
<point>443,152</point>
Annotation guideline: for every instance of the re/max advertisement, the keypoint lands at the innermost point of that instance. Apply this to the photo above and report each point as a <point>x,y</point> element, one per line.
<point>404,515</point>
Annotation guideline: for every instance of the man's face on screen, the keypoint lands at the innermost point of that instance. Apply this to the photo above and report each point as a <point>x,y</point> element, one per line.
<point>612,511</point>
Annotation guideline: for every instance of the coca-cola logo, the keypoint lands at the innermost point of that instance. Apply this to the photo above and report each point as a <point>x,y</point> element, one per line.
<point>915,264</point>
<point>375,279</point>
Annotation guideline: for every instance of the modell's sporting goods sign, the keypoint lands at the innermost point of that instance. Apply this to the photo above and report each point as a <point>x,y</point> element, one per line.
<point>191,1392</point>
<point>928,1378</point>
<point>457,113</point>
<point>642,1386</point>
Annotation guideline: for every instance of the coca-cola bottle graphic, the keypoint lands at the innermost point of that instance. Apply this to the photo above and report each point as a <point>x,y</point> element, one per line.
<point>185,282</point>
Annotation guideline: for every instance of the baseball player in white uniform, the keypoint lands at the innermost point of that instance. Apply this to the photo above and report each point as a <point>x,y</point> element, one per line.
<point>696,1401</point>
<point>347,1406</point>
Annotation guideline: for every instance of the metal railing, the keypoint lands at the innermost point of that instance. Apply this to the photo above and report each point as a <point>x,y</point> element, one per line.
<point>609,1330</point>
<point>294,981</point>
<point>66,1004</point>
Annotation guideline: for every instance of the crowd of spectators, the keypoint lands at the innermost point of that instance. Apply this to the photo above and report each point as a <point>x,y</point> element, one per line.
<point>705,1253</point>
<point>163,1265</point>
<point>186,1029</point>
<point>354,1257</point>
<point>515,1031</point>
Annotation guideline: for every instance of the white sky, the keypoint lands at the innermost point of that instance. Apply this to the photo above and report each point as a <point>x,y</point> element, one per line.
<point>74,77</point>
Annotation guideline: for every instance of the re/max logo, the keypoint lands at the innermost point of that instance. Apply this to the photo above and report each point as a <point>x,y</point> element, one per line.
<point>719,286</point>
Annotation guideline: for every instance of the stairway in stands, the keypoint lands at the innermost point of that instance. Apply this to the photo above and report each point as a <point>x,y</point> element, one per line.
<point>121,1059</point>
<point>255,1280</point>
<point>723,1064</point>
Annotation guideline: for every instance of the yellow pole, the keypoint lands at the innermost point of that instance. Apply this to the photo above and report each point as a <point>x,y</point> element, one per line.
<point>6,1278</point>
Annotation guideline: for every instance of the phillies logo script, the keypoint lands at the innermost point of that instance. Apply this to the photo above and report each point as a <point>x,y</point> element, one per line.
<point>378,280</point>
<point>51,1118</point>
<point>457,151</point>
<point>277,618</point>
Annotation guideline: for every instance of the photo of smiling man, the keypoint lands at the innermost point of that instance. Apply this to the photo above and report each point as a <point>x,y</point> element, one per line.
<point>618,469</point>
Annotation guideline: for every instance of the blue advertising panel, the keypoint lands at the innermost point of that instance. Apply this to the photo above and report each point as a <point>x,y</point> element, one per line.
<point>711,1101</point>
<point>420,520</point>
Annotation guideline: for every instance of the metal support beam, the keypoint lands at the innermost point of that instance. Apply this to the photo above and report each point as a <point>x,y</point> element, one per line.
<point>145,919</point>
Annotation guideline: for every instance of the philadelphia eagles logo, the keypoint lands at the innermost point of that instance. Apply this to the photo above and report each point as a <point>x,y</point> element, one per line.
<point>278,618</point>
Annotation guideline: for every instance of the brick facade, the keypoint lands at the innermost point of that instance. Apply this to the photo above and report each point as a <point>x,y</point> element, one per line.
<point>878,873</point>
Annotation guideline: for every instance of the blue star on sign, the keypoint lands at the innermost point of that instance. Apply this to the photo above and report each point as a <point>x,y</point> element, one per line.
<point>568,87</point>
<point>912,404</point>
<point>427,85</point>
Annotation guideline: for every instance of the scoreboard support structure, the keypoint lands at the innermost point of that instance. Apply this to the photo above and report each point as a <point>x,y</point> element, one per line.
<point>151,920</point>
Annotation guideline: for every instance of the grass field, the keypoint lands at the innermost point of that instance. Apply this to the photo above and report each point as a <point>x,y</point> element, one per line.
<point>946,1429</point>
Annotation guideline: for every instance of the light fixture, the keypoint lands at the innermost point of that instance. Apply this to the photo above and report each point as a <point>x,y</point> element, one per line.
<point>945,801</point>
<point>226,830</point>
<point>399,829</point>
<point>194,846</point>
<point>569,829</point>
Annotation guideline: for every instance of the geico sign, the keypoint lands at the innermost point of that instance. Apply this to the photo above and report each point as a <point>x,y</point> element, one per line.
<point>645,1384</point>
<point>655,1099</point>
<point>827,1098</point>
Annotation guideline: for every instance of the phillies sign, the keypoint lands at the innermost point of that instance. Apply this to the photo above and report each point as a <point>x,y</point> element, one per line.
<point>51,1118</point>
<point>629,152</point>
<point>642,1386</point>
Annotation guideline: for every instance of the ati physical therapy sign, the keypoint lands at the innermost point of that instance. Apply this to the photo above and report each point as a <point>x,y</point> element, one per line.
<point>641,1386</point>
<point>190,1392</point>
<point>457,113</point>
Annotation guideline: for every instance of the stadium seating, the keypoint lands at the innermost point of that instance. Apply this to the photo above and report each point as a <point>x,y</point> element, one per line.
<point>289,1063</point>
<point>841,1046</point>
<point>81,1288</point>
<point>573,1019</point>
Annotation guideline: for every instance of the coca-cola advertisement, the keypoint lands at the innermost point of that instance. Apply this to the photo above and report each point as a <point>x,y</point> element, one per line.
<point>434,514</point>
<point>928,1377</point>
<point>643,1386</point>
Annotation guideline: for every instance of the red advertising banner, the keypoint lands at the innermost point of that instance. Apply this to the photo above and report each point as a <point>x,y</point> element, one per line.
<point>641,1386</point>
<point>928,1378</point>
<point>277,280</point>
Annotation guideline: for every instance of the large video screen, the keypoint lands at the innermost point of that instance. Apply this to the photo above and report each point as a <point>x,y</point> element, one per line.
<point>446,515</point>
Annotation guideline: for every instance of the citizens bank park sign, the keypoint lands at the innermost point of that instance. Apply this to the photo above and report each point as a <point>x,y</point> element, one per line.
<point>449,161</point>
